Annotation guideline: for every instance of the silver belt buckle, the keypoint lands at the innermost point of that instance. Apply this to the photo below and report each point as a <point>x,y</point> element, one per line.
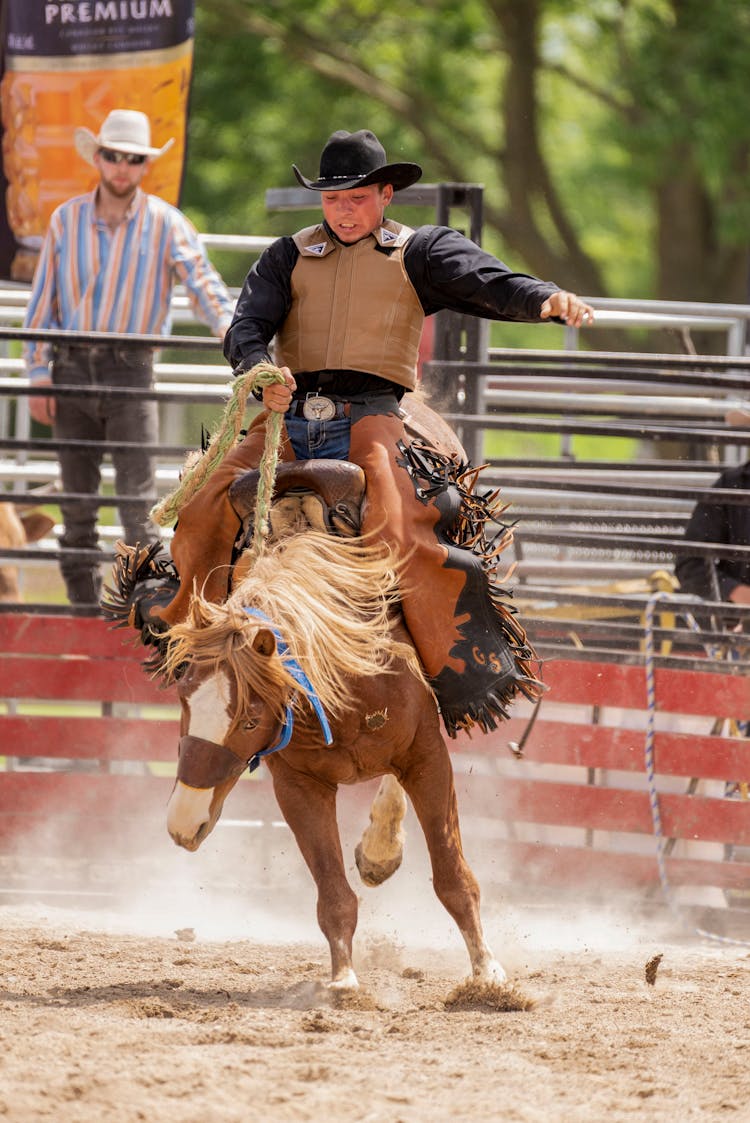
<point>318,408</point>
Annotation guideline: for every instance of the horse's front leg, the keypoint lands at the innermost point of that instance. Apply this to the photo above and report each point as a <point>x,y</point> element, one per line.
<point>429,784</point>
<point>309,808</point>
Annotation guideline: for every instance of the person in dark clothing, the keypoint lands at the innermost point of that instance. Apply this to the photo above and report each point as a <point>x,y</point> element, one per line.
<point>344,302</point>
<point>728,524</point>
<point>722,579</point>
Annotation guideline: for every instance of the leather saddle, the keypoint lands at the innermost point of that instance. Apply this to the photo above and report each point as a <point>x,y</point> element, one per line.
<point>324,495</point>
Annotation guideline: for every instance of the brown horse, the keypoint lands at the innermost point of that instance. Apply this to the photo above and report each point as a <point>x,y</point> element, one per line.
<point>308,665</point>
<point>19,525</point>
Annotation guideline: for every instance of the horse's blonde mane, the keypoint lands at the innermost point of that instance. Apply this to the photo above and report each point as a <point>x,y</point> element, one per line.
<point>331,599</point>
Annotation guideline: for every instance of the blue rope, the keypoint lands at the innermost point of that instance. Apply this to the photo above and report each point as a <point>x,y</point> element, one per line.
<point>652,793</point>
<point>308,689</point>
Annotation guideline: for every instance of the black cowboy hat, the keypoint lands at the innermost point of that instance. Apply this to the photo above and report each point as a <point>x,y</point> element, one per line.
<point>356,160</point>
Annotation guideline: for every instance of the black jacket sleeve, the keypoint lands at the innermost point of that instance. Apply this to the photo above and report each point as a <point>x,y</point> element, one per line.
<point>262,306</point>
<point>448,270</point>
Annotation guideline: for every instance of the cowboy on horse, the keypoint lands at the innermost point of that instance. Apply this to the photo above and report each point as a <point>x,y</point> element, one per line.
<point>339,308</point>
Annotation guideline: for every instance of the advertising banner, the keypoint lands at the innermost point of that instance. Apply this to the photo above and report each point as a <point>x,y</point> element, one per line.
<point>68,64</point>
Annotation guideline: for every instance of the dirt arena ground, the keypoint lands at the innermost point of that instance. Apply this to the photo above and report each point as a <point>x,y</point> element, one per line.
<point>187,1007</point>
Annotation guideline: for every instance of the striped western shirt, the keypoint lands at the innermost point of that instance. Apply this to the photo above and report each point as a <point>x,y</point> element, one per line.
<point>90,278</point>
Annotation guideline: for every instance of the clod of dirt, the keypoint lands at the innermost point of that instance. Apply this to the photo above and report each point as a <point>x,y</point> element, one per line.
<point>149,1008</point>
<point>353,1000</point>
<point>185,934</point>
<point>501,997</point>
<point>53,945</point>
<point>317,1022</point>
<point>652,967</point>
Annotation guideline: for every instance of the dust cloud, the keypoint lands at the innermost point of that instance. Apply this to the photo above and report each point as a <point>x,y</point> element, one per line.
<point>246,883</point>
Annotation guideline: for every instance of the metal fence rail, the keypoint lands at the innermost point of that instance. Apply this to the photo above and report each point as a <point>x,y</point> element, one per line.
<point>577,519</point>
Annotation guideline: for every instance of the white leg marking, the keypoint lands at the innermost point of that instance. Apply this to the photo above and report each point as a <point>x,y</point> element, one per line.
<point>485,967</point>
<point>347,980</point>
<point>491,972</point>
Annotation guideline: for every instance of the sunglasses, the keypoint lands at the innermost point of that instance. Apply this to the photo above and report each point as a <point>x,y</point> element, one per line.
<point>118,157</point>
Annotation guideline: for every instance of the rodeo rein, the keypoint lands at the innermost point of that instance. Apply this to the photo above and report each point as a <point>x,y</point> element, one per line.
<point>204,764</point>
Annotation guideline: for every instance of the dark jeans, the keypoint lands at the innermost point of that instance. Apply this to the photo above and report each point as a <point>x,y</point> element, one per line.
<point>103,418</point>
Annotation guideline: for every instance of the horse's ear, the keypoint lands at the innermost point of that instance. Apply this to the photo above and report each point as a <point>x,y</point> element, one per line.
<point>264,642</point>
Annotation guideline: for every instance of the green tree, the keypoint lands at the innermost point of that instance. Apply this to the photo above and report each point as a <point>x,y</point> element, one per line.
<point>612,137</point>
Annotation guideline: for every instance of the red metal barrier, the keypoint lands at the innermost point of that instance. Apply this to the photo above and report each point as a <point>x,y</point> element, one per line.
<point>576,810</point>
<point>74,692</point>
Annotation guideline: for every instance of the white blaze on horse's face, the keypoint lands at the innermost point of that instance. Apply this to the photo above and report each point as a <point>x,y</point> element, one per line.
<point>209,709</point>
<point>205,715</point>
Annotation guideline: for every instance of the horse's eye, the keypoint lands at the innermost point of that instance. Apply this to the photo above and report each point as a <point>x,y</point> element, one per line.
<point>250,725</point>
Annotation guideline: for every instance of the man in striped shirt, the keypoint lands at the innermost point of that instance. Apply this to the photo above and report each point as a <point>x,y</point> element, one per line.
<point>108,263</point>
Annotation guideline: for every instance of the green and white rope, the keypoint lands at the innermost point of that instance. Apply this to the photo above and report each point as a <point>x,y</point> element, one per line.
<point>265,375</point>
<point>224,440</point>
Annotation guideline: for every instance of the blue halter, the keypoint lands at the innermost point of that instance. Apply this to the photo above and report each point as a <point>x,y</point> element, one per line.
<point>308,689</point>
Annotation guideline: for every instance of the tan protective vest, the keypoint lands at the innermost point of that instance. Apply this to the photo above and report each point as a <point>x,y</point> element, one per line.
<point>353,307</point>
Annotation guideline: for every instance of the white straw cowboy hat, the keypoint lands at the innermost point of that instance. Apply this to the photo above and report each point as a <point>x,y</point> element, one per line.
<point>125,130</point>
<point>356,160</point>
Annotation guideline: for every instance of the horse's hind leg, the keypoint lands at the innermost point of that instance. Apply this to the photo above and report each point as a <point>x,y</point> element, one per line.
<point>429,784</point>
<point>379,852</point>
<point>309,807</point>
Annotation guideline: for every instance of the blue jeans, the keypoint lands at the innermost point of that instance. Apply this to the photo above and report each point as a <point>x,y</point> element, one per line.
<point>319,440</point>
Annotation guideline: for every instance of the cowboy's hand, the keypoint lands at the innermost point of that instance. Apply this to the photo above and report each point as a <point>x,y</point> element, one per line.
<point>42,409</point>
<point>568,307</point>
<point>278,395</point>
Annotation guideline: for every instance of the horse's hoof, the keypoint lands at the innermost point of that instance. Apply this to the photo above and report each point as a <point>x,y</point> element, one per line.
<point>375,873</point>
<point>345,981</point>
<point>490,973</point>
